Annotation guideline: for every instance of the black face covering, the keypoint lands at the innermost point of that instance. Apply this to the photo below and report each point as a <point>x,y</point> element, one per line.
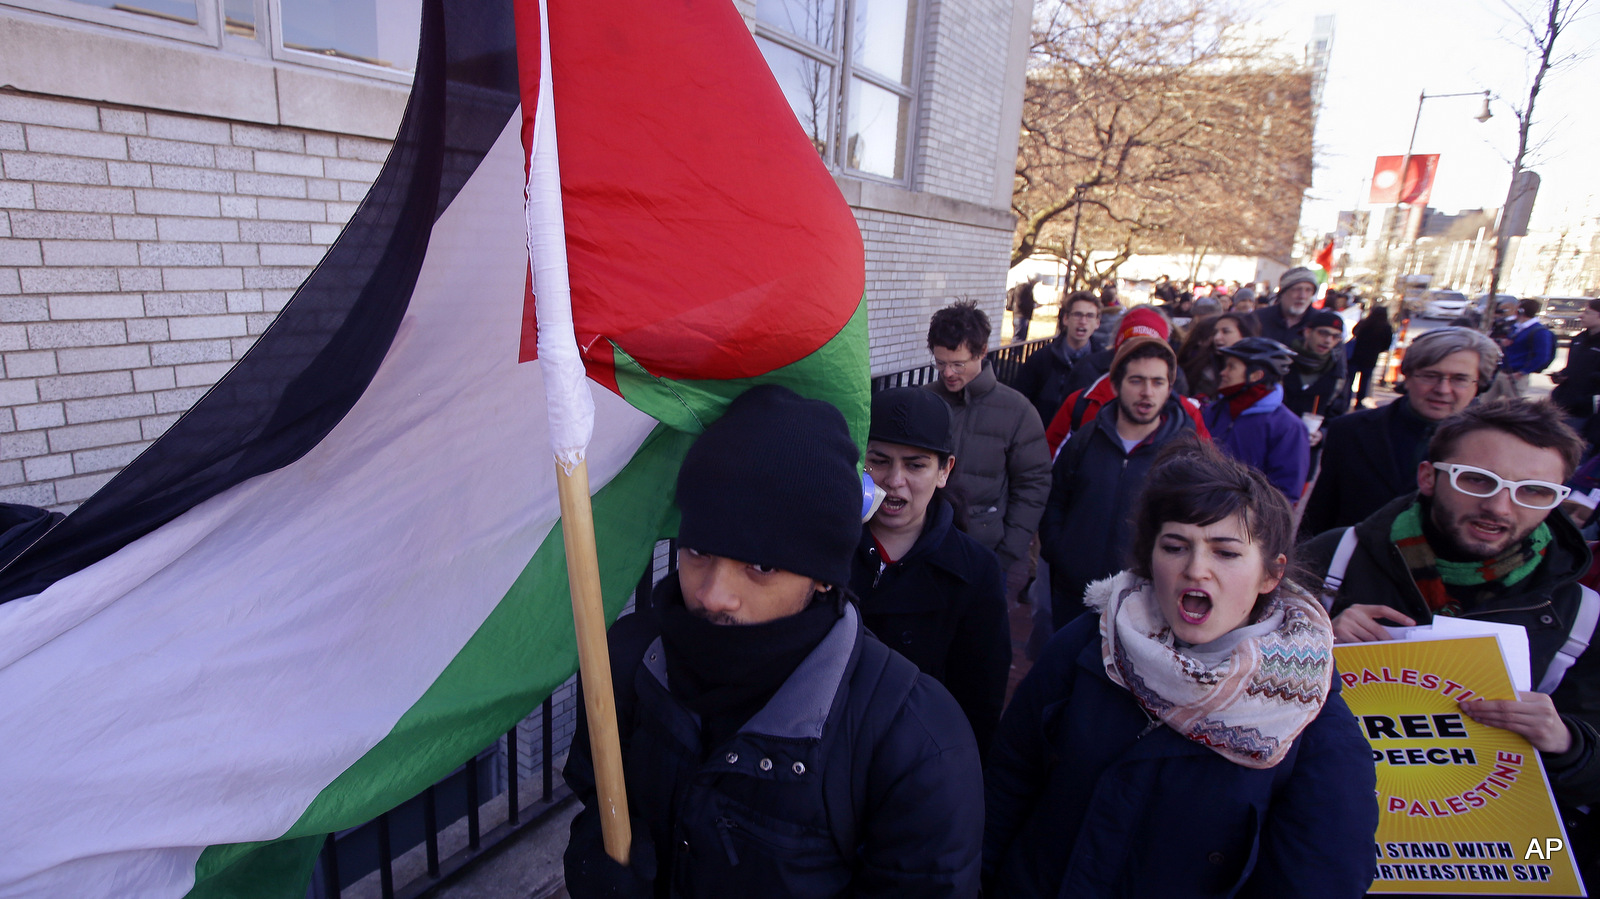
<point>727,672</point>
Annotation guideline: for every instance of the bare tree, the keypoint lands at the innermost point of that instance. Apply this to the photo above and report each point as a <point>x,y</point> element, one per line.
<point>1541,39</point>
<point>1149,125</point>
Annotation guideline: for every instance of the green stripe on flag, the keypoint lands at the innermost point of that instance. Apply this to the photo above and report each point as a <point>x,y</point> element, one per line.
<point>836,372</point>
<point>523,651</point>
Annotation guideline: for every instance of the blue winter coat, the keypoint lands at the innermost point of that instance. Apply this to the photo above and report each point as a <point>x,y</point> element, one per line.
<point>1531,349</point>
<point>1085,800</point>
<point>1267,437</point>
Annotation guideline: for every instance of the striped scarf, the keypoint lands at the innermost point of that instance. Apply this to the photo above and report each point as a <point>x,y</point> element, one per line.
<point>1433,575</point>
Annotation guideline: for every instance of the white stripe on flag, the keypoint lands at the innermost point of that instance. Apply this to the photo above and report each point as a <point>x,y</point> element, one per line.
<point>205,683</point>
<point>566,391</point>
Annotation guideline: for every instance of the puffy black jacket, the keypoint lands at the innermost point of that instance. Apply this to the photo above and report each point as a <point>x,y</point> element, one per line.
<point>1544,603</point>
<point>859,777</point>
<point>1043,378</point>
<point>1085,800</point>
<point>1087,528</point>
<point>943,606</point>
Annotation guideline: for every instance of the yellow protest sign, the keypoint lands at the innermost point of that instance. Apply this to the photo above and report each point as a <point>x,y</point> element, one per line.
<point>1463,808</point>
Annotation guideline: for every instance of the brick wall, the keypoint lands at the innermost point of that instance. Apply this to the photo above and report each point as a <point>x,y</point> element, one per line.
<point>916,266</point>
<point>140,255</point>
<point>964,91</point>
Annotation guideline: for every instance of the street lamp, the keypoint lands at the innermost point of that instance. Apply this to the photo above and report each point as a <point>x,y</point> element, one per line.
<point>1405,165</point>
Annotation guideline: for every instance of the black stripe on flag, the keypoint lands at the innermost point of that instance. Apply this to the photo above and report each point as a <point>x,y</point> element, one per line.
<point>316,359</point>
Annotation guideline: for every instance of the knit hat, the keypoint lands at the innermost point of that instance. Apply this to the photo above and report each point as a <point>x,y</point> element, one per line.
<point>1139,340</point>
<point>1323,318</point>
<point>1142,321</point>
<point>1297,275</point>
<point>774,482</point>
<point>1243,294</point>
<point>911,416</point>
<point>1206,306</point>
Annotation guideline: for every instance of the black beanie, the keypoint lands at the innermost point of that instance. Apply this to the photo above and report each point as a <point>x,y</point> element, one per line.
<point>774,482</point>
<point>911,416</point>
<point>1323,318</point>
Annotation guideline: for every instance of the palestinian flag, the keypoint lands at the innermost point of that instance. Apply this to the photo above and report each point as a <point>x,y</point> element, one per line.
<point>341,573</point>
<point>1325,262</point>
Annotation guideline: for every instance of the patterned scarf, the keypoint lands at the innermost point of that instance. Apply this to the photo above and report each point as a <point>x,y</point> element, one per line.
<point>1434,575</point>
<point>1246,695</point>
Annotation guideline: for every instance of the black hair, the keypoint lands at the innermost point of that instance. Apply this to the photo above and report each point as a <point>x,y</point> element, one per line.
<point>1193,482</point>
<point>961,324</point>
<point>1541,424</point>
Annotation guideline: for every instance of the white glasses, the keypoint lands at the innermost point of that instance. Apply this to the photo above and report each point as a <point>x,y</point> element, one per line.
<point>1481,482</point>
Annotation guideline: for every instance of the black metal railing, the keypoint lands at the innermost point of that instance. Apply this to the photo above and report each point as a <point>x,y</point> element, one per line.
<point>353,855</point>
<point>1006,362</point>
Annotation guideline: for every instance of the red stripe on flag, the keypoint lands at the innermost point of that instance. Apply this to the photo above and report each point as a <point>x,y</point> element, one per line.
<point>705,237</point>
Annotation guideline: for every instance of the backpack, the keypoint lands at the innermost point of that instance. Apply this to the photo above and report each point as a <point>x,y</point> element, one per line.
<point>874,710</point>
<point>1583,623</point>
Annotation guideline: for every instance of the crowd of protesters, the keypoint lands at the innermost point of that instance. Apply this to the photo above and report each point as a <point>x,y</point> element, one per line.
<point>815,702</point>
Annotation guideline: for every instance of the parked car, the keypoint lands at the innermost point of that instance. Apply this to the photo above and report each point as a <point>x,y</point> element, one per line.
<point>1560,314</point>
<point>1445,304</point>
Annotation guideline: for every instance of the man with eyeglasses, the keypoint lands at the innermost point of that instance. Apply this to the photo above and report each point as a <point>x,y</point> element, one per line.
<point>1370,457</point>
<point>1483,537</point>
<point>1043,379</point>
<point>1002,473</point>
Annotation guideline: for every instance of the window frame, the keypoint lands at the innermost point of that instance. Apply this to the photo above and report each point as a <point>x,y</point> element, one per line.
<point>845,69</point>
<point>205,31</point>
<point>209,31</point>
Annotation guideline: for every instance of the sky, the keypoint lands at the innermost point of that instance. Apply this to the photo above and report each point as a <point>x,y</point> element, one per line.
<point>1386,52</point>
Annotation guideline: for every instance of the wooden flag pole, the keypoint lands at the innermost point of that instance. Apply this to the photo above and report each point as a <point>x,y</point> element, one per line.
<point>594,659</point>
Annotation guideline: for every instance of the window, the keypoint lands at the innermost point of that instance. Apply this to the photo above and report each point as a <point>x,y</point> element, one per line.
<point>856,106</point>
<point>370,37</point>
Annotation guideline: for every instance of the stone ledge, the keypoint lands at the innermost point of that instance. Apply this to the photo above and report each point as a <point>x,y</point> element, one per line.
<point>861,194</point>
<point>82,62</point>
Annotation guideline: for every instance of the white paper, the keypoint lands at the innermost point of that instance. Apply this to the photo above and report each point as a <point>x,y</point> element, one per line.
<point>1513,639</point>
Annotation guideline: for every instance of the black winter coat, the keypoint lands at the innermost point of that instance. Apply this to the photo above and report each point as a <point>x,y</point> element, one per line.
<point>1271,323</point>
<point>943,606</point>
<point>1581,378</point>
<point>1359,471</point>
<point>1087,529</point>
<point>1326,391</point>
<point>1544,603</point>
<point>1371,337</point>
<point>859,778</point>
<point>1085,800</point>
<point>1043,378</point>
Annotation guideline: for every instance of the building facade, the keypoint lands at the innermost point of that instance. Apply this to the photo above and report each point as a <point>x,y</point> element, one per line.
<point>171,171</point>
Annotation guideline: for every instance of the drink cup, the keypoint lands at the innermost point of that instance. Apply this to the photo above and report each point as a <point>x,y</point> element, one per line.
<point>1312,420</point>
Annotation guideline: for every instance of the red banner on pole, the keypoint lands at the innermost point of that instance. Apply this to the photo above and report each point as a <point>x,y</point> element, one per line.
<point>1386,186</point>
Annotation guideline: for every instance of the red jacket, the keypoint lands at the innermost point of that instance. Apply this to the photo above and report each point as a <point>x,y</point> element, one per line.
<point>1100,393</point>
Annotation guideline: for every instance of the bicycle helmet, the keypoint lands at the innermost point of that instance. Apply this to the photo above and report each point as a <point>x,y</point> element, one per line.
<point>1261,354</point>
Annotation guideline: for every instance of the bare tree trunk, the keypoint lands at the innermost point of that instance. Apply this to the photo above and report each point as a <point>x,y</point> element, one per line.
<point>1545,43</point>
